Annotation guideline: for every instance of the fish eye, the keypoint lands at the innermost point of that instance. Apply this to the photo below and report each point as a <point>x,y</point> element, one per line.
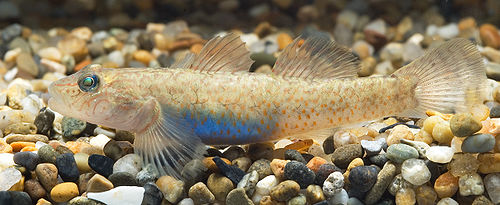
<point>88,83</point>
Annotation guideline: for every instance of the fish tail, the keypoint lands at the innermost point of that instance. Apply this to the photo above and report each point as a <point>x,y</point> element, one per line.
<point>450,78</point>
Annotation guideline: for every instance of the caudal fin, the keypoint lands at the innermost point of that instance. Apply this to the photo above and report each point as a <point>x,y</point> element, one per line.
<point>450,78</point>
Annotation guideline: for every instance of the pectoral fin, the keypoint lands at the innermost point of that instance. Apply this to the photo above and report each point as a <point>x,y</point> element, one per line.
<point>166,141</point>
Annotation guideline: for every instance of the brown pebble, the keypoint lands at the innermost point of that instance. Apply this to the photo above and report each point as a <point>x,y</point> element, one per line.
<point>82,64</point>
<point>446,185</point>
<point>26,138</point>
<point>489,163</point>
<point>143,56</point>
<point>489,35</point>
<point>196,48</point>
<point>263,29</point>
<point>278,167</point>
<point>98,183</point>
<point>47,175</point>
<point>74,46</point>
<point>34,189</point>
<point>285,190</point>
<point>315,163</point>
<point>210,164</point>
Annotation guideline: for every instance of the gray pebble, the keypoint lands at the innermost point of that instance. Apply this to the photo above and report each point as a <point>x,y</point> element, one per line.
<point>478,143</point>
<point>373,147</point>
<point>248,182</point>
<point>238,197</point>
<point>400,152</point>
<point>342,156</point>
<point>291,154</point>
<point>263,168</point>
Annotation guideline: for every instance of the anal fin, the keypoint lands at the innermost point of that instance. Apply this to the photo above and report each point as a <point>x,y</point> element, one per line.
<point>167,142</point>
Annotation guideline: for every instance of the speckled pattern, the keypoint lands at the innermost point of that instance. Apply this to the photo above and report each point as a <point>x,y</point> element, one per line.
<point>226,108</point>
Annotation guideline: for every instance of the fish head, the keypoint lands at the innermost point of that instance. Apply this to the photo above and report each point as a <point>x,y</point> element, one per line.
<point>96,95</point>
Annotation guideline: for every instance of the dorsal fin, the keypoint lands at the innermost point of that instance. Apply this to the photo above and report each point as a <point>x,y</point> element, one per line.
<point>226,53</point>
<point>317,57</point>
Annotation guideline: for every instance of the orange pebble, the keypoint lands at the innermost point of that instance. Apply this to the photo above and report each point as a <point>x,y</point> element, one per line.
<point>315,163</point>
<point>196,48</point>
<point>283,40</point>
<point>301,145</point>
<point>82,64</point>
<point>28,149</point>
<point>18,146</point>
<point>4,147</point>
<point>210,164</point>
<point>76,147</point>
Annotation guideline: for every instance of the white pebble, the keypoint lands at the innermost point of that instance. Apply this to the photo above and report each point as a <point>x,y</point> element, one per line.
<point>440,154</point>
<point>340,198</point>
<point>9,177</point>
<point>6,160</point>
<point>32,104</point>
<point>186,201</point>
<point>122,195</point>
<point>117,57</point>
<point>447,201</point>
<point>470,184</point>
<point>131,163</point>
<point>492,185</point>
<point>282,143</point>
<point>263,187</point>
<point>377,26</point>
<point>448,31</point>
<point>333,184</point>
<point>99,141</point>
<point>415,171</point>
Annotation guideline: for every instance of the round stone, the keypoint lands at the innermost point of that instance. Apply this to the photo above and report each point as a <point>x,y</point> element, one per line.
<point>172,189</point>
<point>362,178</point>
<point>464,124</point>
<point>148,174</point>
<point>98,183</point>
<point>238,197</point>
<point>249,182</point>
<point>101,164</point>
<point>291,154</point>
<point>324,171</point>
<point>47,175</point>
<point>373,147</point>
<point>263,168</point>
<point>415,171</point>
<point>478,143</point>
<point>200,194</point>
<point>64,192</point>
<point>68,170</point>
<point>285,190</point>
<point>314,194</point>
<point>440,154</point>
<point>27,159</point>
<point>34,189</point>
<point>48,154</point>
<point>152,194</point>
<point>343,155</point>
<point>219,185</point>
<point>130,163</point>
<point>400,152</point>
<point>446,185</point>
<point>299,172</point>
<point>333,184</point>
<point>470,185</point>
<point>72,127</point>
<point>122,179</point>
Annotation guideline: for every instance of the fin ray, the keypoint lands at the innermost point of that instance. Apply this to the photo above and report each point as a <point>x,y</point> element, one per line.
<point>317,57</point>
<point>449,78</point>
<point>168,143</point>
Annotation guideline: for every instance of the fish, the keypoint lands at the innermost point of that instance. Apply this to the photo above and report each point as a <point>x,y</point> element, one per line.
<point>211,98</point>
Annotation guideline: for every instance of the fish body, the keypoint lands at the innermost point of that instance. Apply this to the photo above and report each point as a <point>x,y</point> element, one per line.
<point>210,99</point>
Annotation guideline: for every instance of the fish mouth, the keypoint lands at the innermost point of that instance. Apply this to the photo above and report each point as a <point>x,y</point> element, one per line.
<point>55,99</point>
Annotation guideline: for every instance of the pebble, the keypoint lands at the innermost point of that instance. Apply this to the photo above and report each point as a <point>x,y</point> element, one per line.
<point>421,147</point>
<point>299,172</point>
<point>291,154</point>
<point>123,179</point>
<point>489,35</point>
<point>342,156</point>
<point>249,182</point>
<point>4,147</point>
<point>233,173</point>
<point>219,185</point>
<point>442,132</point>
<point>447,201</point>
<point>430,122</point>
<point>405,196</point>
<point>362,178</point>
<point>149,173</point>
<point>67,167</point>
<point>10,32</point>
<point>186,201</point>
<point>99,141</point>
<point>242,162</point>
<point>482,200</point>
<point>278,167</point>
<point>400,152</point>
<point>64,192</point>
<point>101,164</point>
<point>81,201</point>
<point>263,168</point>
<point>333,184</point>
<point>448,31</point>
<point>373,147</point>
<point>238,197</point>
<point>130,163</point>
<point>20,198</point>
<point>5,198</point>
<point>383,180</point>
<point>440,154</point>
<point>260,151</point>
<point>285,190</point>
<point>314,194</point>
<point>446,185</point>
<point>470,185</point>
<point>123,195</point>
<point>194,171</point>
<point>233,152</point>
<point>201,194</point>
<point>27,159</point>
<point>263,187</point>
<point>492,186</point>
<point>82,162</point>
<point>98,183</point>
<point>489,162</point>
<point>415,171</point>
<point>397,183</point>
<point>152,194</point>
<point>478,143</point>
<point>26,138</point>
<point>72,127</point>
<point>34,189</point>
<point>323,172</point>
<point>73,46</point>
<point>27,64</point>
<point>8,178</point>
<point>462,164</point>
<point>463,125</point>
<point>340,198</point>
<point>425,195</point>
<point>172,189</point>
<point>47,175</point>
